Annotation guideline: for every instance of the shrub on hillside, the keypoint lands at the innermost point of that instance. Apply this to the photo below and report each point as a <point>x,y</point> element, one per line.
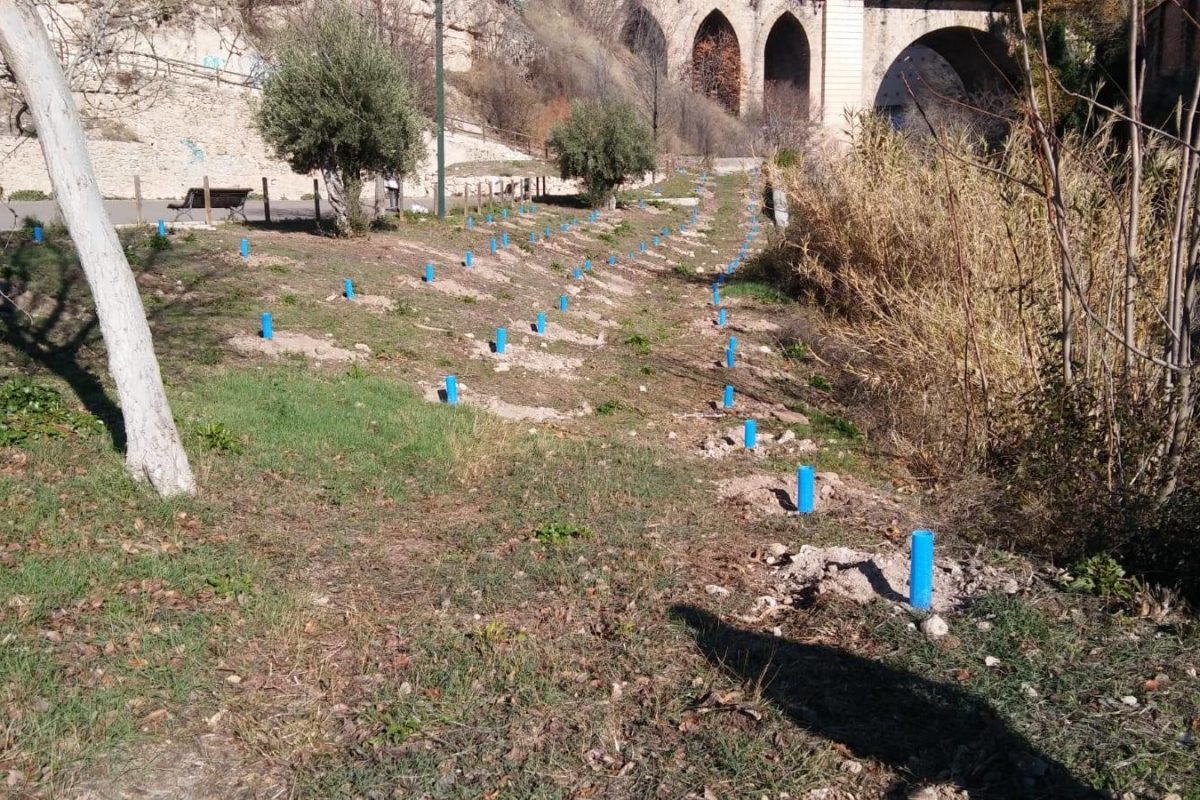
<point>603,143</point>
<point>341,101</point>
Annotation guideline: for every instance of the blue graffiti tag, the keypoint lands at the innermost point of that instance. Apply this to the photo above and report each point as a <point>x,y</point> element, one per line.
<point>197,152</point>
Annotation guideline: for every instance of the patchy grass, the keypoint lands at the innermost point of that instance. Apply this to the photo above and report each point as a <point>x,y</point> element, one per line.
<point>1114,699</point>
<point>757,291</point>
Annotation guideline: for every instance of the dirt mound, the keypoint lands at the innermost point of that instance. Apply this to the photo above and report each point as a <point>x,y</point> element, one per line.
<point>557,333</point>
<point>733,441</point>
<point>530,358</point>
<point>771,495</point>
<point>445,285</point>
<point>501,408</point>
<point>285,342</point>
<point>863,577</point>
<point>372,302</point>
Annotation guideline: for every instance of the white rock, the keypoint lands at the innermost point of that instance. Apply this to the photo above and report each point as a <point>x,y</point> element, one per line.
<point>762,348</point>
<point>991,661</point>
<point>642,389</point>
<point>777,549</point>
<point>1011,586</point>
<point>1028,690</point>
<point>1129,700</point>
<point>362,347</point>
<point>935,627</point>
<point>787,436</point>
<point>716,591</point>
<point>983,625</point>
<point>853,767</point>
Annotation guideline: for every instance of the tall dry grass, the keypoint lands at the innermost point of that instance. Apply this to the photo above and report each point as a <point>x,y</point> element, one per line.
<point>941,278</point>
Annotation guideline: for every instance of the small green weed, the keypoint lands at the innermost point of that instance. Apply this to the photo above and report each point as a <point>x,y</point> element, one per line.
<point>216,437</point>
<point>289,299</point>
<point>278,269</point>
<point>820,382</point>
<point>29,410</point>
<point>561,532</point>
<point>844,426</point>
<point>639,343</point>
<point>797,351</point>
<point>1101,575</point>
<point>229,585</point>
<point>609,407</point>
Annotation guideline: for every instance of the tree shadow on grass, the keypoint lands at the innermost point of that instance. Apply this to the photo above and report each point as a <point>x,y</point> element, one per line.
<point>56,325</point>
<point>928,732</point>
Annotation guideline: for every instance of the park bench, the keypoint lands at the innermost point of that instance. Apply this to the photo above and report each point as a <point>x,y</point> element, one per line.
<point>234,200</point>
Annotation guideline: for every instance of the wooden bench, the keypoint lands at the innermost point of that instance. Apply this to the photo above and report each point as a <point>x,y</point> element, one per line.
<point>234,200</point>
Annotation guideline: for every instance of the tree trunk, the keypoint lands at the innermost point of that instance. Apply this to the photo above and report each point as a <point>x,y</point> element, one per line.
<point>154,451</point>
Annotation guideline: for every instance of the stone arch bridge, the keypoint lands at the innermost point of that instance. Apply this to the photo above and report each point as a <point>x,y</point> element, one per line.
<point>827,57</point>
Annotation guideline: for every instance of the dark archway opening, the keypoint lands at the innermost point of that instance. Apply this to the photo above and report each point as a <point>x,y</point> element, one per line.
<point>645,38</point>
<point>717,62</point>
<point>787,63</point>
<point>959,77</point>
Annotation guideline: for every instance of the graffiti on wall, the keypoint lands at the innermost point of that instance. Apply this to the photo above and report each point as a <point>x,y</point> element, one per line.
<point>197,151</point>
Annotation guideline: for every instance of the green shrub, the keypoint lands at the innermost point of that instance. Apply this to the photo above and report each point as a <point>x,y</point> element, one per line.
<point>603,143</point>
<point>28,194</point>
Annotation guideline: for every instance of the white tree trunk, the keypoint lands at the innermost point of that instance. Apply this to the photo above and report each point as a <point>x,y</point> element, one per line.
<point>154,450</point>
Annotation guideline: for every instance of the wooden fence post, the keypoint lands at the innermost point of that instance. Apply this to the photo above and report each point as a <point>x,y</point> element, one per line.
<point>317,199</point>
<point>207,203</point>
<point>266,201</point>
<point>478,197</point>
<point>137,195</point>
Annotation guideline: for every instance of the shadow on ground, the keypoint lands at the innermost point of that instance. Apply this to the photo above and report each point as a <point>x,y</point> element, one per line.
<point>62,334</point>
<point>927,732</point>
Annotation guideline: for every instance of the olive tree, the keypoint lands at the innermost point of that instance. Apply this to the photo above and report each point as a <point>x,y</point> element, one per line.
<point>341,100</point>
<point>603,143</point>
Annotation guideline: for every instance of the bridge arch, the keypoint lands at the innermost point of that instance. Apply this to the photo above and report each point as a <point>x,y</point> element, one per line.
<point>644,36</point>
<point>716,61</point>
<point>787,67</point>
<point>947,66</point>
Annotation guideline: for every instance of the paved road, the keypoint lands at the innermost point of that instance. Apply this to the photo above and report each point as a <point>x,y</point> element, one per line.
<point>124,212</point>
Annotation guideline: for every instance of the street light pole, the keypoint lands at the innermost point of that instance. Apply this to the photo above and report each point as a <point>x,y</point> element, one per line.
<point>440,80</point>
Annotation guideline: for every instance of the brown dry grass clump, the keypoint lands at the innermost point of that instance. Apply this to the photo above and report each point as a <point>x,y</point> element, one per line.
<point>941,277</point>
